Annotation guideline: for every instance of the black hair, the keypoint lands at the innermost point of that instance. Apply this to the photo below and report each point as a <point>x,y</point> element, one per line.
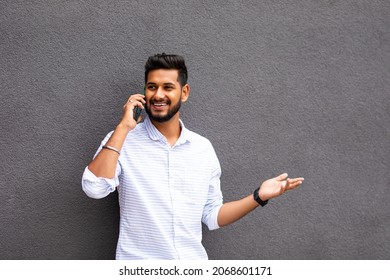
<point>167,61</point>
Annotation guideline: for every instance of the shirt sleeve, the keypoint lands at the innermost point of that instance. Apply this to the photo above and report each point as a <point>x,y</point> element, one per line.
<point>215,198</point>
<point>98,187</point>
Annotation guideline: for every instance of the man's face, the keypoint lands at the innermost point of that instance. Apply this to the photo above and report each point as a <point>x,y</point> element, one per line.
<point>164,94</point>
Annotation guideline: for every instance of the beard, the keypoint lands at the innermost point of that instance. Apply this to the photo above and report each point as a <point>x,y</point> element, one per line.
<point>166,117</point>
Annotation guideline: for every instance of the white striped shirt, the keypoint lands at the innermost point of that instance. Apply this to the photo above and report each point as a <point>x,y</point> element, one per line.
<point>164,193</point>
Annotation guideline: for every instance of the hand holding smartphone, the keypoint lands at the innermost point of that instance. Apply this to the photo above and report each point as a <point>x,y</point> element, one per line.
<point>137,110</point>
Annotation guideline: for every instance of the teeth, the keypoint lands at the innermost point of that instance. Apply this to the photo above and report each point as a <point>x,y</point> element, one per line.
<point>159,104</point>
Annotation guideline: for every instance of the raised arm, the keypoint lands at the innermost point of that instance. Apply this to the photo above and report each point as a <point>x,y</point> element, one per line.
<point>104,164</point>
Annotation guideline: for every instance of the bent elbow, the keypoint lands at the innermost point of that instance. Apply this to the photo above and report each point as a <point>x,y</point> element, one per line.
<point>94,191</point>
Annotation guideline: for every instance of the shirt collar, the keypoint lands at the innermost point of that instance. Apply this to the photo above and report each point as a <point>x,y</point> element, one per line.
<point>156,135</point>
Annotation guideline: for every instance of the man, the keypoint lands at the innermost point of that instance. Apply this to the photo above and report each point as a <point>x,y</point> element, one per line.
<point>168,178</point>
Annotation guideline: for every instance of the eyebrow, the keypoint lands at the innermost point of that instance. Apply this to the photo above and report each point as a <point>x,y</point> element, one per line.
<point>165,84</point>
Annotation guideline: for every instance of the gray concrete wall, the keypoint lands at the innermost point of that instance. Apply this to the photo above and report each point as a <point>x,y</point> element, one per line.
<point>296,86</point>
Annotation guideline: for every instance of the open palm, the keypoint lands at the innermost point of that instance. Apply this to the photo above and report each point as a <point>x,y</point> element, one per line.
<point>277,186</point>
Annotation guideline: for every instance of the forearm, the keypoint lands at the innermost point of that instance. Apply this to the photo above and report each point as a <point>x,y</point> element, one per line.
<point>104,164</point>
<point>235,210</point>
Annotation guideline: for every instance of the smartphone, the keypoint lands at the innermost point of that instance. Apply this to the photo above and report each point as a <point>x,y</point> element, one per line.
<point>137,110</point>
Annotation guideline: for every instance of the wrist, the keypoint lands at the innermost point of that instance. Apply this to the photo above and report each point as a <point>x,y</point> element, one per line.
<point>257,198</point>
<point>118,137</point>
<point>124,128</point>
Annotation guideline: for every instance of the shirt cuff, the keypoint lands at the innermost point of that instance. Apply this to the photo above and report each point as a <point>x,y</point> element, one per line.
<point>97,187</point>
<point>212,223</point>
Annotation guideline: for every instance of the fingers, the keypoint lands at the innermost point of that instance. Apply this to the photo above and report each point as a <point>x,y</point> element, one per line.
<point>292,183</point>
<point>282,177</point>
<point>136,100</point>
<point>284,186</point>
<point>136,96</point>
<point>134,103</point>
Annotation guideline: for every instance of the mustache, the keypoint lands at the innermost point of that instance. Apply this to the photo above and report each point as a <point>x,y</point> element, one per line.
<point>154,100</point>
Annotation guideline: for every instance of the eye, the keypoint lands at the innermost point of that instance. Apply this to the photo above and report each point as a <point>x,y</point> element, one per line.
<point>151,87</point>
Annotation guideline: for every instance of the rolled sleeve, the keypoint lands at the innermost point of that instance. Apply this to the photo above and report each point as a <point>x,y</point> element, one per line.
<point>214,201</point>
<point>98,187</point>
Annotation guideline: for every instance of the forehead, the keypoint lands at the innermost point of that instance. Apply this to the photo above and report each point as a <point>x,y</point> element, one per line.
<point>161,76</point>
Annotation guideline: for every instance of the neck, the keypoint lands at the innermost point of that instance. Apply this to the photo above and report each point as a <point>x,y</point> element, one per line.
<point>170,129</point>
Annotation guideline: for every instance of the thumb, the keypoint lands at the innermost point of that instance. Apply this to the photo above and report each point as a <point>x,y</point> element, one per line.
<point>282,177</point>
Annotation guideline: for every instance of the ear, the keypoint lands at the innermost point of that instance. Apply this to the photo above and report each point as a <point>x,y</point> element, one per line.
<point>185,92</point>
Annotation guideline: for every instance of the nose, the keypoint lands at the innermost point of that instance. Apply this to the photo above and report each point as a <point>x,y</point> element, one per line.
<point>159,94</point>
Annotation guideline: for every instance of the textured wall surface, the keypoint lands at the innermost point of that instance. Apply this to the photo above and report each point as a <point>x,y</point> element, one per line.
<point>296,86</point>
